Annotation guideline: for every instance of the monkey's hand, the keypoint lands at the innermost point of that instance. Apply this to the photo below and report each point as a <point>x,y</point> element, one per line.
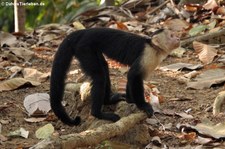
<point>147,108</point>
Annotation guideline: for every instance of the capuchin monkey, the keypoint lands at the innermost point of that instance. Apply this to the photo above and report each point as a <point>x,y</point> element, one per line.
<point>88,46</point>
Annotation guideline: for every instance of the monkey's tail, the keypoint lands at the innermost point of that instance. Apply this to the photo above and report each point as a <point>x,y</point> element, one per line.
<point>61,64</point>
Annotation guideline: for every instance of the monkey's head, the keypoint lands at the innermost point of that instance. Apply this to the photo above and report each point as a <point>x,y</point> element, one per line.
<point>166,40</point>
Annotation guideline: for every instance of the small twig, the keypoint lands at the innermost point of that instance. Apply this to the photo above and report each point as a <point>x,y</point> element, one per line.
<point>172,3</point>
<point>127,3</point>
<point>163,127</point>
<point>173,8</point>
<point>126,12</point>
<point>206,36</point>
<point>157,8</point>
<point>14,74</point>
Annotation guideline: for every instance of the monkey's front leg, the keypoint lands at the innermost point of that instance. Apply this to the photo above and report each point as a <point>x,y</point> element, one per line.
<point>135,92</point>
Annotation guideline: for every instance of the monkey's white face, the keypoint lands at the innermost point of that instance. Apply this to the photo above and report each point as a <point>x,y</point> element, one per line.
<point>167,40</point>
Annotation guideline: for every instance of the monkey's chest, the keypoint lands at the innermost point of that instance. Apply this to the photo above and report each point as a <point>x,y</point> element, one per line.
<point>151,62</point>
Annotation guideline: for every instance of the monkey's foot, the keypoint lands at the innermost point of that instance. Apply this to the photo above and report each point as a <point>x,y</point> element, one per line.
<point>107,116</point>
<point>147,108</point>
<point>128,100</point>
<point>115,97</point>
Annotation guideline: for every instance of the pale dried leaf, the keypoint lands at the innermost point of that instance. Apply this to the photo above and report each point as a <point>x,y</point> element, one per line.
<point>201,140</point>
<point>22,53</point>
<point>178,52</point>
<point>222,59</point>
<point>134,26</point>
<point>207,129</point>
<point>16,83</point>
<point>78,26</point>
<point>191,74</point>
<point>207,79</point>
<point>73,87</point>
<point>121,86</point>
<point>10,56</point>
<point>35,75</point>
<point>37,104</point>
<point>184,115</point>
<point>7,38</point>
<point>212,24</point>
<point>154,101</point>
<point>85,89</point>
<point>34,119</point>
<point>205,52</point>
<point>197,30</point>
<point>44,132</point>
<point>19,133</point>
<point>15,69</point>
<point>152,121</point>
<point>123,69</point>
<point>181,66</point>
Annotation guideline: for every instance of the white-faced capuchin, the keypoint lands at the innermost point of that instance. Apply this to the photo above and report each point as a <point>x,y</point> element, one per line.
<point>142,54</point>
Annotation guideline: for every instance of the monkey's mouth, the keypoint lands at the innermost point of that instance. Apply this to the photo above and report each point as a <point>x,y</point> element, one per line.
<point>176,42</point>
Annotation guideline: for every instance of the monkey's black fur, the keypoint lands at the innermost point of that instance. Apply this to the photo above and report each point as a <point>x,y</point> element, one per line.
<point>88,47</point>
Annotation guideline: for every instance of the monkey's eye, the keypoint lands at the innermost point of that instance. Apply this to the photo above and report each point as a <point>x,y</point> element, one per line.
<point>172,35</point>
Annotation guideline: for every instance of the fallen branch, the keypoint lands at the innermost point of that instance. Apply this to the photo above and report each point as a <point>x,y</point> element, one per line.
<point>104,132</point>
<point>206,36</point>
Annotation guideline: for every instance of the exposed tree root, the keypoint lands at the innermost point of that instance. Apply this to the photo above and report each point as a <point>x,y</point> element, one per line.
<point>220,99</point>
<point>104,132</point>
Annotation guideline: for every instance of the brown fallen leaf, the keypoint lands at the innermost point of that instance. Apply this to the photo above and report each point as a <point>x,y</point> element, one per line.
<point>188,136</point>
<point>220,11</point>
<point>176,24</point>
<point>206,53</point>
<point>15,83</point>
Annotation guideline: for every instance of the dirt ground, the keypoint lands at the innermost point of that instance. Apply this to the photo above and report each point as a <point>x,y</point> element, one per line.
<point>198,101</point>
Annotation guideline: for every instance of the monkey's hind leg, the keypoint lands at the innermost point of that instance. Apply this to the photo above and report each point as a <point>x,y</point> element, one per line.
<point>110,97</point>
